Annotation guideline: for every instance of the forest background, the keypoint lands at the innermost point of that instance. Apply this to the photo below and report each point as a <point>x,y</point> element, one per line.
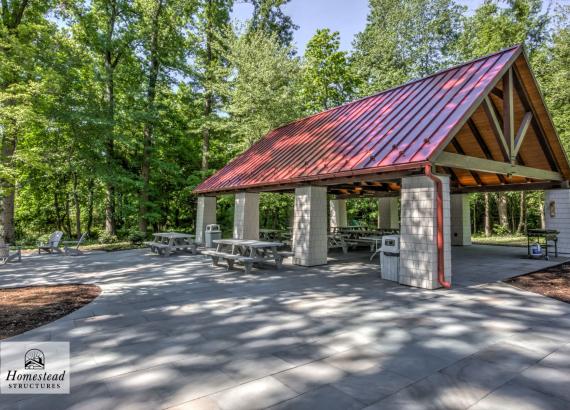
<point>112,111</point>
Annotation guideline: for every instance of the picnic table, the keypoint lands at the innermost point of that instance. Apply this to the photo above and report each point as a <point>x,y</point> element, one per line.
<point>164,243</point>
<point>269,234</point>
<point>247,252</point>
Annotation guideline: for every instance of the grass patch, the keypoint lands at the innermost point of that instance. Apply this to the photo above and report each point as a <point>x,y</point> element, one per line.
<point>111,247</point>
<point>506,240</point>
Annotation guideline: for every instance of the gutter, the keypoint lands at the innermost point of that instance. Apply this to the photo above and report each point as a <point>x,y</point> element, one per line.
<point>439,220</point>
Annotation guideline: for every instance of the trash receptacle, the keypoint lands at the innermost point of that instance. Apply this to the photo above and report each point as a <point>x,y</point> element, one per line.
<point>213,232</point>
<point>390,258</point>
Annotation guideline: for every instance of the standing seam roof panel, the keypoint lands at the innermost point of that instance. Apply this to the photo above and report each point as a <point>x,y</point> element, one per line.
<point>398,127</point>
<point>391,112</point>
<point>444,96</point>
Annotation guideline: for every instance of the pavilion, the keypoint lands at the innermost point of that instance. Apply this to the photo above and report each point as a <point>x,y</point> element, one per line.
<point>481,126</point>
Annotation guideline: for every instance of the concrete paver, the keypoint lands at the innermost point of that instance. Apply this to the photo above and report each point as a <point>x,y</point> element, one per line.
<point>178,333</point>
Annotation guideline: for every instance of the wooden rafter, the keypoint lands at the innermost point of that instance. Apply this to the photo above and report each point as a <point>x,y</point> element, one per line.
<point>483,145</point>
<point>449,159</point>
<point>460,151</point>
<point>521,133</point>
<point>496,126</point>
<point>497,92</point>
<point>509,114</point>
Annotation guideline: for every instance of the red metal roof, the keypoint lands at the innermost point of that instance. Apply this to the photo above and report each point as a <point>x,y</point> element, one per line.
<point>398,128</point>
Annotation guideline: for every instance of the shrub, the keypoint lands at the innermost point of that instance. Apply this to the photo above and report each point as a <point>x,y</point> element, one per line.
<point>104,237</point>
<point>95,233</point>
<point>136,237</point>
<point>501,230</point>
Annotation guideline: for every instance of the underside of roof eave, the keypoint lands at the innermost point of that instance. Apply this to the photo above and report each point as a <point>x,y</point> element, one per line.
<point>325,179</point>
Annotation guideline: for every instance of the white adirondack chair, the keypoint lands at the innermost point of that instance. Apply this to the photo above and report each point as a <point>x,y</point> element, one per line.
<point>6,256</point>
<point>52,245</point>
<point>72,247</point>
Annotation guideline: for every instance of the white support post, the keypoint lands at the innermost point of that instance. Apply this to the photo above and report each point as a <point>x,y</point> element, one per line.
<point>310,240</point>
<point>388,213</point>
<point>460,220</point>
<point>206,216</point>
<point>418,240</point>
<point>557,216</point>
<point>338,213</point>
<point>246,216</point>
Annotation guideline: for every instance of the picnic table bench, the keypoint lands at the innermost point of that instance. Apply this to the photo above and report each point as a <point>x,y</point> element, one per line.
<point>246,252</point>
<point>164,243</point>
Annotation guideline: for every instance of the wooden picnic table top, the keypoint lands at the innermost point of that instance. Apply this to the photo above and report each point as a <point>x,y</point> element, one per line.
<point>249,243</point>
<point>173,235</point>
<point>265,230</point>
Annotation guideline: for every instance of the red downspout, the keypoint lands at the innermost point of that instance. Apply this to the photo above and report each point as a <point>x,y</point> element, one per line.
<point>439,218</point>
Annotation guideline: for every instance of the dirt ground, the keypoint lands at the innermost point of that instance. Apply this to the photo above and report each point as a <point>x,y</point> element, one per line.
<point>553,282</point>
<point>26,308</point>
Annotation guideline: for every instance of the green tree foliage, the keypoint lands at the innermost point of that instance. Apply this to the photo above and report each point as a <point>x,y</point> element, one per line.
<point>212,21</point>
<point>405,39</point>
<point>552,66</point>
<point>269,17</point>
<point>25,38</point>
<point>327,79</point>
<point>161,27</point>
<point>112,111</point>
<point>493,28</point>
<point>263,86</point>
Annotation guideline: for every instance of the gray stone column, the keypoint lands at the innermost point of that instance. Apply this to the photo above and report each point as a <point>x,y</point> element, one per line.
<point>460,220</point>
<point>246,216</point>
<point>557,216</point>
<point>206,216</point>
<point>310,241</point>
<point>388,213</point>
<point>418,240</point>
<point>337,213</point>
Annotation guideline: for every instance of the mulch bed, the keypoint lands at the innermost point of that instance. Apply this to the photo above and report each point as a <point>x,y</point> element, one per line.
<point>26,308</point>
<point>553,282</point>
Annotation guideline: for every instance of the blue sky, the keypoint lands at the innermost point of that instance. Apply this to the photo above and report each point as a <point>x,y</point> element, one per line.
<point>345,16</point>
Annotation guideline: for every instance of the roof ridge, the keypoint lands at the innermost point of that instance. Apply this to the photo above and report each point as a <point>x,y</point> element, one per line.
<point>415,80</point>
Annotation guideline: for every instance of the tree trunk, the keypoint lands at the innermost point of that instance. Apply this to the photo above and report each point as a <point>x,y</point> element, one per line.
<point>522,217</point>
<point>57,209</point>
<point>148,127</point>
<point>12,16</point>
<point>488,228</point>
<point>542,220</point>
<point>77,207</point>
<point>8,190</point>
<point>8,213</point>
<point>206,134</point>
<point>110,65</point>
<point>208,97</point>
<point>110,226</point>
<point>90,187</point>
<point>503,211</point>
<point>67,225</point>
